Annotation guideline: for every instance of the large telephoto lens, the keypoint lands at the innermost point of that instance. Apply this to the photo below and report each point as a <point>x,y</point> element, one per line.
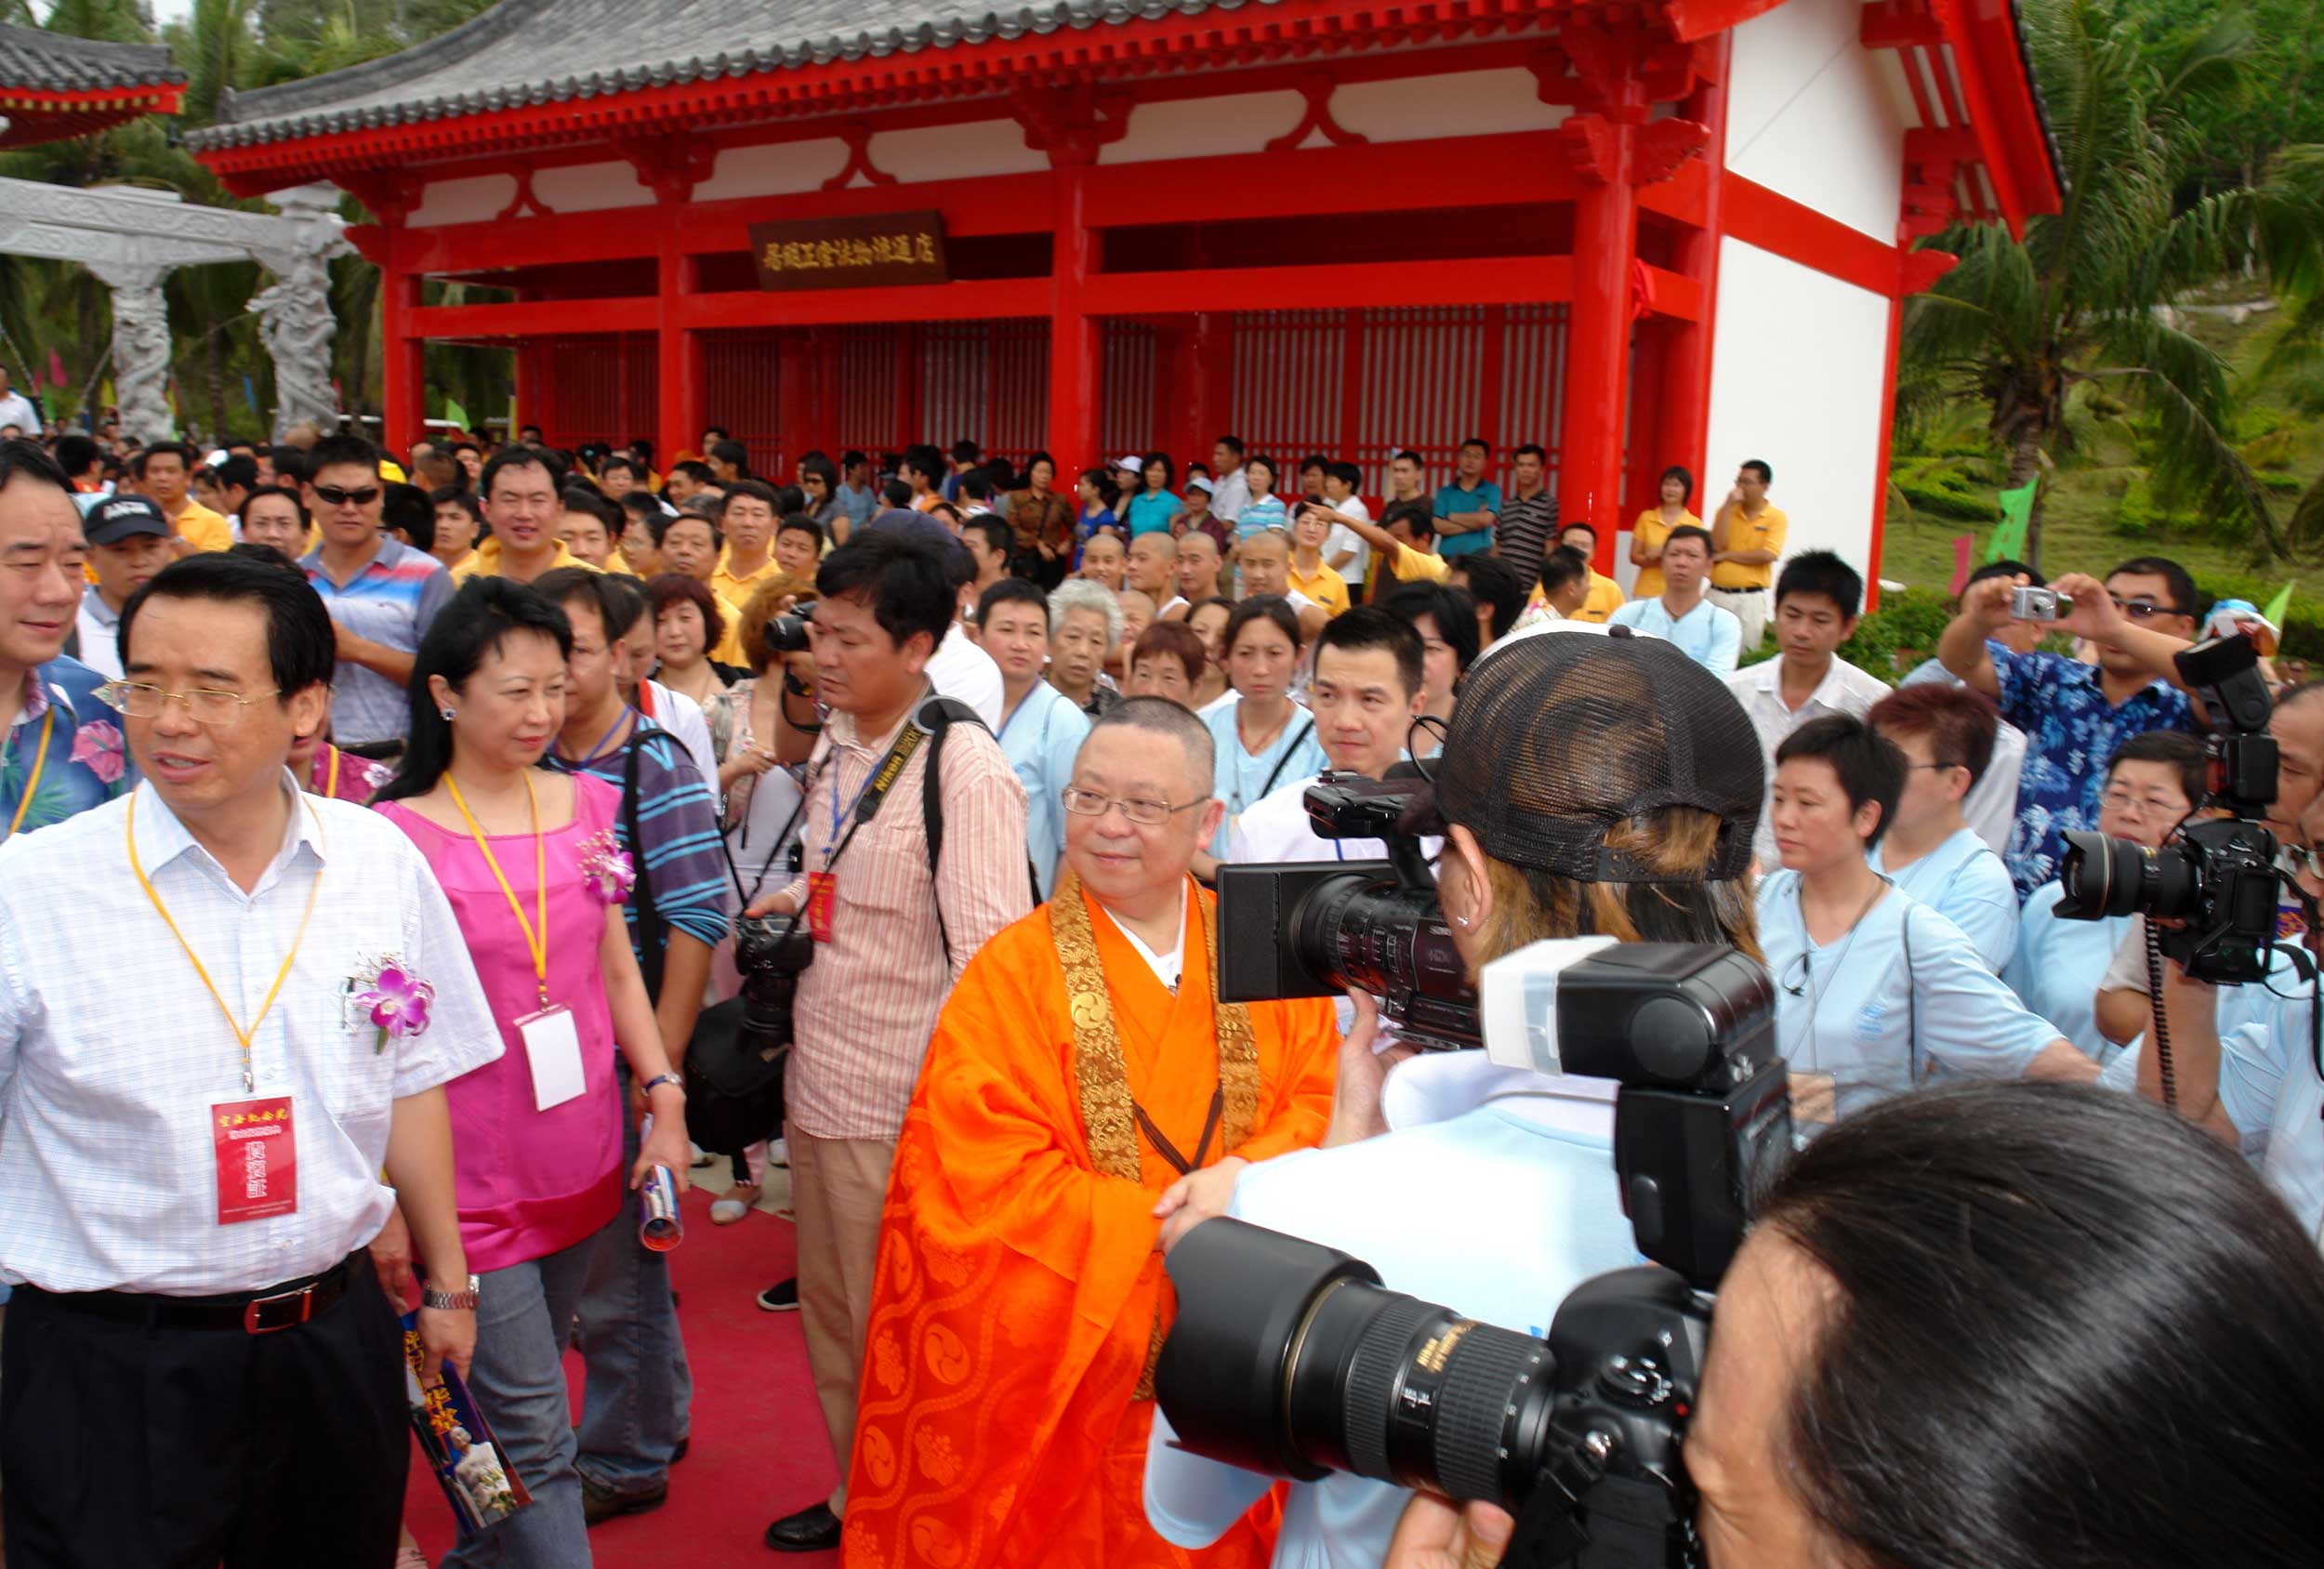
<point>1291,1359</point>
<point>2105,877</point>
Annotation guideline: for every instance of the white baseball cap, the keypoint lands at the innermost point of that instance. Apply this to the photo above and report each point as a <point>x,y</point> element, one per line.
<point>1132,465</point>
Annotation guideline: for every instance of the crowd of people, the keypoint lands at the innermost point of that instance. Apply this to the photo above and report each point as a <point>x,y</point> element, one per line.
<point>551,724</point>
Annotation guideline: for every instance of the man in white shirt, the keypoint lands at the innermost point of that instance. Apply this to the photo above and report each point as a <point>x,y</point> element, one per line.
<point>959,668</point>
<point>1229,491</point>
<point>1364,696</point>
<point>17,410</point>
<point>200,1360</point>
<point>128,546</point>
<point>1343,547</point>
<point>1709,634</point>
<point>1817,601</point>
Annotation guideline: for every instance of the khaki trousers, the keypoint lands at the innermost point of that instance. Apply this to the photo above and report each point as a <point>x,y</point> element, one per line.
<point>838,1187</point>
<point>1750,608</point>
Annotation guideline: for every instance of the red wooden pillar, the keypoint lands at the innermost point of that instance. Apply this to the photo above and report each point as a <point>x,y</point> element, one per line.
<point>528,384</point>
<point>1073,340</point>
<point>403,365</point>
<point>1597,339</point>
<point>678,349</point>
<point>1686,385</point>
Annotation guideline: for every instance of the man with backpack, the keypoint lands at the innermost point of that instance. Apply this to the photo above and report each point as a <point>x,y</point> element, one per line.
<point>900,887</point>
<point>635,1412</point>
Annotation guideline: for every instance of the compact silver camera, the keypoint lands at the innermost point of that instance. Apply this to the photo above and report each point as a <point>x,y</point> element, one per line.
<point>2038,604</point>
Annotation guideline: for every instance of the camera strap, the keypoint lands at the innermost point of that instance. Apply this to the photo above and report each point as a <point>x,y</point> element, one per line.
<point>1276,773</point>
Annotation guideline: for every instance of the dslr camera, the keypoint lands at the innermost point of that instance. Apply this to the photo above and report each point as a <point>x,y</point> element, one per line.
<point>1291,1359</point>
<point>787,634</point>
<point>771,952</point>
<point>2216,877</point>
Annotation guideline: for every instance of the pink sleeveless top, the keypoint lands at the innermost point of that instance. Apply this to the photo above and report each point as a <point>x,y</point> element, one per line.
<point>531,1182</point>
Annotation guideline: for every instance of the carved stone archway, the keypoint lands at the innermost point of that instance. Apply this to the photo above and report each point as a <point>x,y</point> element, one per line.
<point>131,239</point>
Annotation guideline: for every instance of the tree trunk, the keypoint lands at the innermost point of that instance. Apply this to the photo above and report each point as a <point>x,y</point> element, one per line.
<point>217,387</point>
<point>2019,426</point>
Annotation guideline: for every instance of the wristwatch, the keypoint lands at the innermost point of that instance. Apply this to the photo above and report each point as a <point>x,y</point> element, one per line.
<point>671,1079</point>
<point>463,1301</point>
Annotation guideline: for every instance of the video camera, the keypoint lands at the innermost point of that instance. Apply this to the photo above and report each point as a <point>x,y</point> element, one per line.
<point>2217,876</point>
<point>1291,1359</point>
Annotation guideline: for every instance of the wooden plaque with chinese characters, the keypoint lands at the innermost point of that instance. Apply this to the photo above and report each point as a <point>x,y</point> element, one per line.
<point>851,252</point>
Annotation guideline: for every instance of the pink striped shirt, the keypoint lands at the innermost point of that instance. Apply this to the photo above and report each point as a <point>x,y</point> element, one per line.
<point>868,1004</point>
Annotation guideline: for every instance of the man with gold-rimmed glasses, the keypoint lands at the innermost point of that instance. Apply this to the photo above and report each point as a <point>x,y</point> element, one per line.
<point>1086,1098</point>
<point>192,1139</point>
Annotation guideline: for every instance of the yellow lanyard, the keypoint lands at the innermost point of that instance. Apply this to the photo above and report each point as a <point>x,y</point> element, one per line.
<point>242,1036</point>
<point>331,784</point>
<point>535,931</point>
<point>40,760</point>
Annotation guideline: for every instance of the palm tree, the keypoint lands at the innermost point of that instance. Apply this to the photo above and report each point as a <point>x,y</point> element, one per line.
<point>2081,300</point>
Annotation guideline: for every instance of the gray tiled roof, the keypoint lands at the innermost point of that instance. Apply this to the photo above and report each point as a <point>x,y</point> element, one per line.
<point>45,61</point>
<point>524,52</point>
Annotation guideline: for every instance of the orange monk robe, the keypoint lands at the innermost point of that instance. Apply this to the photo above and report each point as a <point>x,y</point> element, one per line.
<point>1019,1288</point>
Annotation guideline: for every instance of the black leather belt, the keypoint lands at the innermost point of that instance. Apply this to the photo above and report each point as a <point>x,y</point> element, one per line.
<point>256,1312</point>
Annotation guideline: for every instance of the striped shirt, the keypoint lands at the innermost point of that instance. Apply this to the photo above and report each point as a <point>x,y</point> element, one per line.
<point>1529,525</point>
<point>868,1004</point>
<point>389,600</point>
<point>684,861</point>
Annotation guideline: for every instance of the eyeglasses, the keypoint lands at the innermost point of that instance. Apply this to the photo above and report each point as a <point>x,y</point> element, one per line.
<point>1144,813</point>
<point>2123,801</point>
<point>1937,768</point>
<point>333,495</point>
<point>143,700</point>
<point>2142,610</point>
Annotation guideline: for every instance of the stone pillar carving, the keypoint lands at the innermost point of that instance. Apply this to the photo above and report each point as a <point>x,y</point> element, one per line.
<point>140,348</point>
<point>293,311</point>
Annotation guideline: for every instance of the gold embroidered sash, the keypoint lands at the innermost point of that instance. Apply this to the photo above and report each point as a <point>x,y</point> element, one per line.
<point>1109,1116</point>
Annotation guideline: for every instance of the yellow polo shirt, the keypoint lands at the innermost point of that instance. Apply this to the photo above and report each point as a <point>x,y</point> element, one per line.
<point>727,586</point>
<point>1605,598</point>
<point>203,528</point>
<point>1651,530</point>
<point>1408,565</point>
<point>1763,533</point>
<point>1326,587</point>
<point>484,561</point>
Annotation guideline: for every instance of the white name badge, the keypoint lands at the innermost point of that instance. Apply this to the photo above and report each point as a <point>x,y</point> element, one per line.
<point>552,1045</point>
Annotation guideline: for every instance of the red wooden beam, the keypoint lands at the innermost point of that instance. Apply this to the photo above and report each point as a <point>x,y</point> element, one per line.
<point>921,302</point>
<point>2001,110</point>
<point>1509,280</point>
<point>530,318</point>
<point>1776,223</point>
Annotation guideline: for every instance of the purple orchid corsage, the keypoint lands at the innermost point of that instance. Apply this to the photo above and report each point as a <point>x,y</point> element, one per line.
<point>394,1000</point>
<point>96,744</point>
<point>610,872</point>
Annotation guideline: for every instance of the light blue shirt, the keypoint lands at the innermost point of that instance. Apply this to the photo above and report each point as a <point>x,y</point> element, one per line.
<point>1876,1016</point>
<point>2269,1088</point>
<point>2059,965</point>
<point>1710,635</point>
<point>1453,500</point>
<point>1041,738</point>
<point>1241,779</point>
<point>1436,1209</point>
<point>1965,882</point>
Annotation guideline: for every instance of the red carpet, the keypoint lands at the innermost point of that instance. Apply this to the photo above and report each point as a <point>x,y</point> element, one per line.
<point>759,1449</point>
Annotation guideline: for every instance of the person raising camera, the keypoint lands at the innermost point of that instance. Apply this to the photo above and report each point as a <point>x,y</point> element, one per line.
<point>1587,783</point>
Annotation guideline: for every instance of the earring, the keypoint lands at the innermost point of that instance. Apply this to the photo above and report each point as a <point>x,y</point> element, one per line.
<point>1461,921</point>
<point>449,714</point>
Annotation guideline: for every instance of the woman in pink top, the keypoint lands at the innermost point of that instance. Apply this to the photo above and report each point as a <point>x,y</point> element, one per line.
<point>528,859</point>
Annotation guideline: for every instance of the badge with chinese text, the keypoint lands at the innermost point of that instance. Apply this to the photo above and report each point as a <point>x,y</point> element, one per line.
<point>257,1158</point>
<point>822,888</point>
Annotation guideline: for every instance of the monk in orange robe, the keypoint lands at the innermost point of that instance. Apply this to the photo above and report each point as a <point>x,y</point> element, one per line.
<point>1081,1107</point>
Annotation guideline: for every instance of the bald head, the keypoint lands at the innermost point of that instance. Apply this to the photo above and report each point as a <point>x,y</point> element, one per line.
<point>1152,557</point>
<point>1160,721</point>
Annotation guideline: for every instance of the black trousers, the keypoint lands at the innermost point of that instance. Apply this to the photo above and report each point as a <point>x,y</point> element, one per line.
<point>128,1447</point>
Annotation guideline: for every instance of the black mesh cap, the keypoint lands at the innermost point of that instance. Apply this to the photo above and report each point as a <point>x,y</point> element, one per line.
<point>1559,736</point>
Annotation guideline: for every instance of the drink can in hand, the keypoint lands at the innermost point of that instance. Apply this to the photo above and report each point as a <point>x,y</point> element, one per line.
<point>661,1229</point>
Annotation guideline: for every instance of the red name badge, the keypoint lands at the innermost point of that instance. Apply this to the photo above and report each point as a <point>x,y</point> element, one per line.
<point>257,1158</point>
<point>820,890</point>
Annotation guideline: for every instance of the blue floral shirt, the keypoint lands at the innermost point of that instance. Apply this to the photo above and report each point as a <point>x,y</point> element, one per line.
<point>2071,734</point>
<point>70,761</point>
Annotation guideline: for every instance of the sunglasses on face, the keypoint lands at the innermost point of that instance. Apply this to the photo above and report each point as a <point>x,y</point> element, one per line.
<point>333,495</point>
<point>2142,609</point>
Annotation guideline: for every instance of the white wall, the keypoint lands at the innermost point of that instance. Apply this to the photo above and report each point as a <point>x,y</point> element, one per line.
<point>1205,127</point>
<point>1799,364</point>
<point>462,201</point>
<point>780,168</point>
<point>985,147</point>
<point>1466,103</point>
<point>1814,115</point>
<point>589,188</point>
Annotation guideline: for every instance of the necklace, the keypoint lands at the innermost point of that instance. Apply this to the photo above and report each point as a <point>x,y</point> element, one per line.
<point>1808,984</point>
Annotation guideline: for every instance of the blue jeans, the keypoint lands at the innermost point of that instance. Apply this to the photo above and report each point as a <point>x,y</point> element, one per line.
<point>640,1397</point>
<point>518,1381</point>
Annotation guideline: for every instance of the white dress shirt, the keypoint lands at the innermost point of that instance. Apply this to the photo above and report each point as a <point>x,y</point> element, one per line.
<point>99,628</point>
<point>112,1050</point>
<point>1843,690</point>
<point>17,410</point>
<point>1991,807</point>
<point>964,672</point>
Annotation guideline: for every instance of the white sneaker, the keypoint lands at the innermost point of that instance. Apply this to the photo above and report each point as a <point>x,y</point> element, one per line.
<point>779,1153</point>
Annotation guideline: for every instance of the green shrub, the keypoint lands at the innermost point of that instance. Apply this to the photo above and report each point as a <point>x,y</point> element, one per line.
<point>1899,635</point>
<point>1946,501</point>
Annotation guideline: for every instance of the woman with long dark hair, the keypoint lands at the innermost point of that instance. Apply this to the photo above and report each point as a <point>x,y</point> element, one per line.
<point>529,861</point>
